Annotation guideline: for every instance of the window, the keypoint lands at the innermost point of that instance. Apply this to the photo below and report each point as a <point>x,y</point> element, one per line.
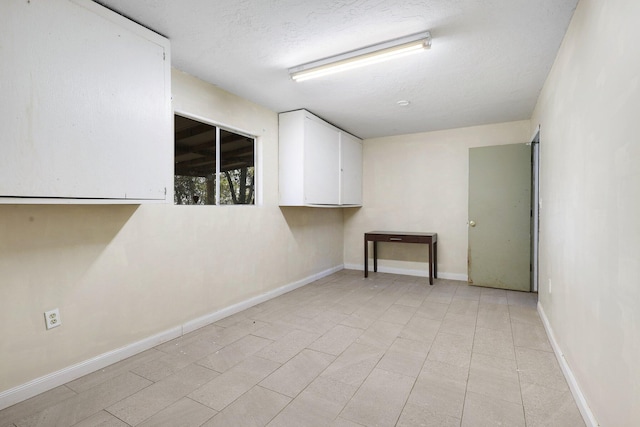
<point>213,166</point>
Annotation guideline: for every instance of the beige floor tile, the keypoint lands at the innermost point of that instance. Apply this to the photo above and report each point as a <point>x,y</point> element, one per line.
<point>88,403</point>
<point>181,353</point>
<point>468,292</point>
<point>229,356</point>
<point>545,407</point>
<point>494,296</point>
<point>254,409</point>
<point>232,320</point>
<point>380,334</point>
<point>302,413</point>
<point>464,307</point>
<point>360,320</point>
<point>432,310</point>
<point>421,329</point>
<point>347,307</point>
<point>379,400</point>
<point>458,324</point>
<point>162,367</point>
<point>332,395</point>
<point>530,336</point>
<point>439,298</point>
<point>541,368</point>
<point>342,422</point>
<point>292,377</point>
<point>494,316</point>
<point>176,345</point>
<point>524,314</point>
<point>308,312</point>
<point>447,286</point>
<point>483,411</point>
<point>101,419</point>
<point>226,336</point>
<point>145,403</point>
<point>494,342</point>
<point>184,413</point>
<point>440,389</point>
<point>398,314</point>
<point>288,346</point>
<point>273,332</point>
<point>111,371</point>
<point>527,299</point>
<point>413,298</point>
<point>336,340</point>
<point>405,357</point>
<point>415,415</point>
<point>495,378</point>
<point>328,319</point>
<point>354,364</point>
<point>271,313</point>
<point>35,404</point>
<point>317,405</point>
<point>227,387</point>
<point>452,349</point>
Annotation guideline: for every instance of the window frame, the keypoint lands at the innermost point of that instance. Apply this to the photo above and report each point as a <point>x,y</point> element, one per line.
<point>218,174</point>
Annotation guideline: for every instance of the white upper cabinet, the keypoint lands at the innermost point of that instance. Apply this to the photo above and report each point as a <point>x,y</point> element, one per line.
<point>320,165</point>
<point>351,170</point>
<point>321,161</point>
<point>85,110</point>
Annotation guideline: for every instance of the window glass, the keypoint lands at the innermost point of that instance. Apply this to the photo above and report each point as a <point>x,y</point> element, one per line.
<point>198,164</point>
<point>237,179</point>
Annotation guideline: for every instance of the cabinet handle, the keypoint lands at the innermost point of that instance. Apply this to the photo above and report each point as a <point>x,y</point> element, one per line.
<point>398,239</point>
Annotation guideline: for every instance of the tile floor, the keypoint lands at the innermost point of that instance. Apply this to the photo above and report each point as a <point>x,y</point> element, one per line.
<point>343,351</point>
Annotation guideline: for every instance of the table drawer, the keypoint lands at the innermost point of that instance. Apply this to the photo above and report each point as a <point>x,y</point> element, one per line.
<point>398,238</point>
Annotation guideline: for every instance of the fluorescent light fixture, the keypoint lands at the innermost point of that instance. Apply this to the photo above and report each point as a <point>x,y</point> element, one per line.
<point>361,57</point>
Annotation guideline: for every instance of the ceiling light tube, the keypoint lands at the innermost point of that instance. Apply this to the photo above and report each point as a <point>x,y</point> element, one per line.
<point>361,57</point>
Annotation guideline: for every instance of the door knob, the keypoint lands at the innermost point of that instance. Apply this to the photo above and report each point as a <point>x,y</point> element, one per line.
<point>472,223</point>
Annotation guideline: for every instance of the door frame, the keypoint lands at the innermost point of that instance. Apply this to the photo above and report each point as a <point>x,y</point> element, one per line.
<point>535,207</point>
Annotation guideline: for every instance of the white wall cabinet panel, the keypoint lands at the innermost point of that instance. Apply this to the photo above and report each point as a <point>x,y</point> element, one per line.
<point>351,170</point>
<point>321,161</point>
<point>85,111</point>
<point>320,165</point>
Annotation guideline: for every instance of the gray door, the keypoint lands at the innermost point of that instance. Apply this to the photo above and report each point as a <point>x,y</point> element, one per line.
<point>500,216</point>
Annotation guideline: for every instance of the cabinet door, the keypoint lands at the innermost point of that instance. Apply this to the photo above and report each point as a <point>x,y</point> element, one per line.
<point>321,163</point>
<point>350,170</point>
<point>85,110</point>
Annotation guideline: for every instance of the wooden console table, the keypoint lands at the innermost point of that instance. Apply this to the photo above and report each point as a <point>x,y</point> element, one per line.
<point>430,239</point>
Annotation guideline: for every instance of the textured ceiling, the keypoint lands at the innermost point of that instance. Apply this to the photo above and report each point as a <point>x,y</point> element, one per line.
<point>487,63</point>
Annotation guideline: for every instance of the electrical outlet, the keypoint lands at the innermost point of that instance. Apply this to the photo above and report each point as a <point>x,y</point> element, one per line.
<point>52,318</point>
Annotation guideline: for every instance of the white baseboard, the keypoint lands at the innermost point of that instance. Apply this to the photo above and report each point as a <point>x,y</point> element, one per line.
<point>583,406</point>
<point>409,272</point>
<point>228,311</point>
<point>70,373</point>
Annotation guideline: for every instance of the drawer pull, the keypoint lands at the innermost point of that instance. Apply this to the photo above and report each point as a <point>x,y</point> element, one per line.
<point>398,239</point>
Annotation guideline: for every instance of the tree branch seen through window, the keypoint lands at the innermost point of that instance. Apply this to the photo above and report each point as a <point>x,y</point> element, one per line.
<point>205,152</point>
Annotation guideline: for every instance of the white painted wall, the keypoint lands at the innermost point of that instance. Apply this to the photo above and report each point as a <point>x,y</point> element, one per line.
<point>120,274</point>
<point>590,193</point>
<point>419,182</point>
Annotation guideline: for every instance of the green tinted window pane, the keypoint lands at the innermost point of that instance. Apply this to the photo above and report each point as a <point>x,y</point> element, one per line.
<point>237,179</point>
<point>237,187</point>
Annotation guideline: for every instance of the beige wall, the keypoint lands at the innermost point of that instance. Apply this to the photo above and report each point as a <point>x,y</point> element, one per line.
<point>419,182</point>
<point>123,273</point>
<point>590,206</point>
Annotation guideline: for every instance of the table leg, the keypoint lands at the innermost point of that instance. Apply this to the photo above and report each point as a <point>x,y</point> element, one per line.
<point>375,256</point>
<point>366,258</point>
<point>431,263</point>
<point>435,260</point>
